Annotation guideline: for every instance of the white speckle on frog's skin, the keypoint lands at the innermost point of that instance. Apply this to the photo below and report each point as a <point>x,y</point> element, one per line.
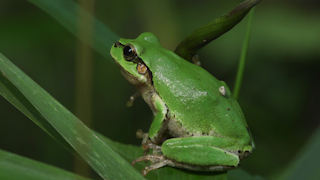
<point>222,90</point>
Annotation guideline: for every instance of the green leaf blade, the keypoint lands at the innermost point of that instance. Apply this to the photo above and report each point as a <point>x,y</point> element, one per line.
<point>92,149</point>
<point>16,167</point>
<point>66,13</point>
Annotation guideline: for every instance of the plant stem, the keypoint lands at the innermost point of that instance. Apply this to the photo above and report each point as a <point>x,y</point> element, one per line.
<point>243,56</point>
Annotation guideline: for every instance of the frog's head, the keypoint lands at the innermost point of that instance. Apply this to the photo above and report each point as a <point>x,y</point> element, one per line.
<point>129,54</point>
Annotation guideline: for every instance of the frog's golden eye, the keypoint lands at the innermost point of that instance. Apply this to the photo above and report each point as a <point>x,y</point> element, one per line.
<point>129,53</point>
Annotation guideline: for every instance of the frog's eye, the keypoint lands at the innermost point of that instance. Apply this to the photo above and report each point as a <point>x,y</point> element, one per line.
<point>129,53</point>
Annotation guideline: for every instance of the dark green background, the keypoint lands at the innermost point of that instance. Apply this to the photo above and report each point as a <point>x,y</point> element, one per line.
<point>280,90</point>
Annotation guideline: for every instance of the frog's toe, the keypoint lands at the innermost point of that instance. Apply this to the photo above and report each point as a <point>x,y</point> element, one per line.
<point>158,160</point>
<point>150,157</point>
<point>158,165</point>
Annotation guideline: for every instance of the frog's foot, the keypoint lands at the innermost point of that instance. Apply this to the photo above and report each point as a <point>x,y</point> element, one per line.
<point>158,160</point>
<point>156,149</point>
<point>143,136</point>
<point>151,146</point>
<point>132,98</point>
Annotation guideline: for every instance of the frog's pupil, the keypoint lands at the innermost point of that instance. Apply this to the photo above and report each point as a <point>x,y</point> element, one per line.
<point>127,51</point>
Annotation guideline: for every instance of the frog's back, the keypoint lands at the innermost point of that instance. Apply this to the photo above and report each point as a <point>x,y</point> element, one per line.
<point>194,100</point>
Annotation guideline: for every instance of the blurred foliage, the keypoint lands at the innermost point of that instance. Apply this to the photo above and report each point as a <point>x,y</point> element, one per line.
<point>279,94</point>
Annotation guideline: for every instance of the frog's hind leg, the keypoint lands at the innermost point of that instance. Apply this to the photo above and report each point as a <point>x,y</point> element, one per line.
<point>158,160</point>
<point>161,161</point>
<point>204,153</point>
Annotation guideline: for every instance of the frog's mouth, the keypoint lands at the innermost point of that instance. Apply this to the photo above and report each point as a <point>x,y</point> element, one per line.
<point>244,154</point>
<point>145,79</point>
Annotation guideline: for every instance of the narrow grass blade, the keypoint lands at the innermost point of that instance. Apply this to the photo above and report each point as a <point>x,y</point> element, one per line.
<point>45,111</point>
<point>66,13</point>
<point>243,57</point>
<point>13,166</point>
<point>306,164</point>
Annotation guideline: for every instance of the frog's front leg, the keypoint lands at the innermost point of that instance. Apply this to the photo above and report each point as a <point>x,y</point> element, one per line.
<point>155,135</point>
<point>132,99</point>
<point>161,120</point>
<point>141,135</point>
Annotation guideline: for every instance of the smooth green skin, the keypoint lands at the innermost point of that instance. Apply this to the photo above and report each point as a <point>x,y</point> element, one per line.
<point>208,129</point>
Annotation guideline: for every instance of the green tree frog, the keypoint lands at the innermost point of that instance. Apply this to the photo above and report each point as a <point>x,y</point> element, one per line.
<point>198,125</point>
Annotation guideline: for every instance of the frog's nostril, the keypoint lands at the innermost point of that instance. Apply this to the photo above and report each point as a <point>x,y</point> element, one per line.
<point>117,44</point>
